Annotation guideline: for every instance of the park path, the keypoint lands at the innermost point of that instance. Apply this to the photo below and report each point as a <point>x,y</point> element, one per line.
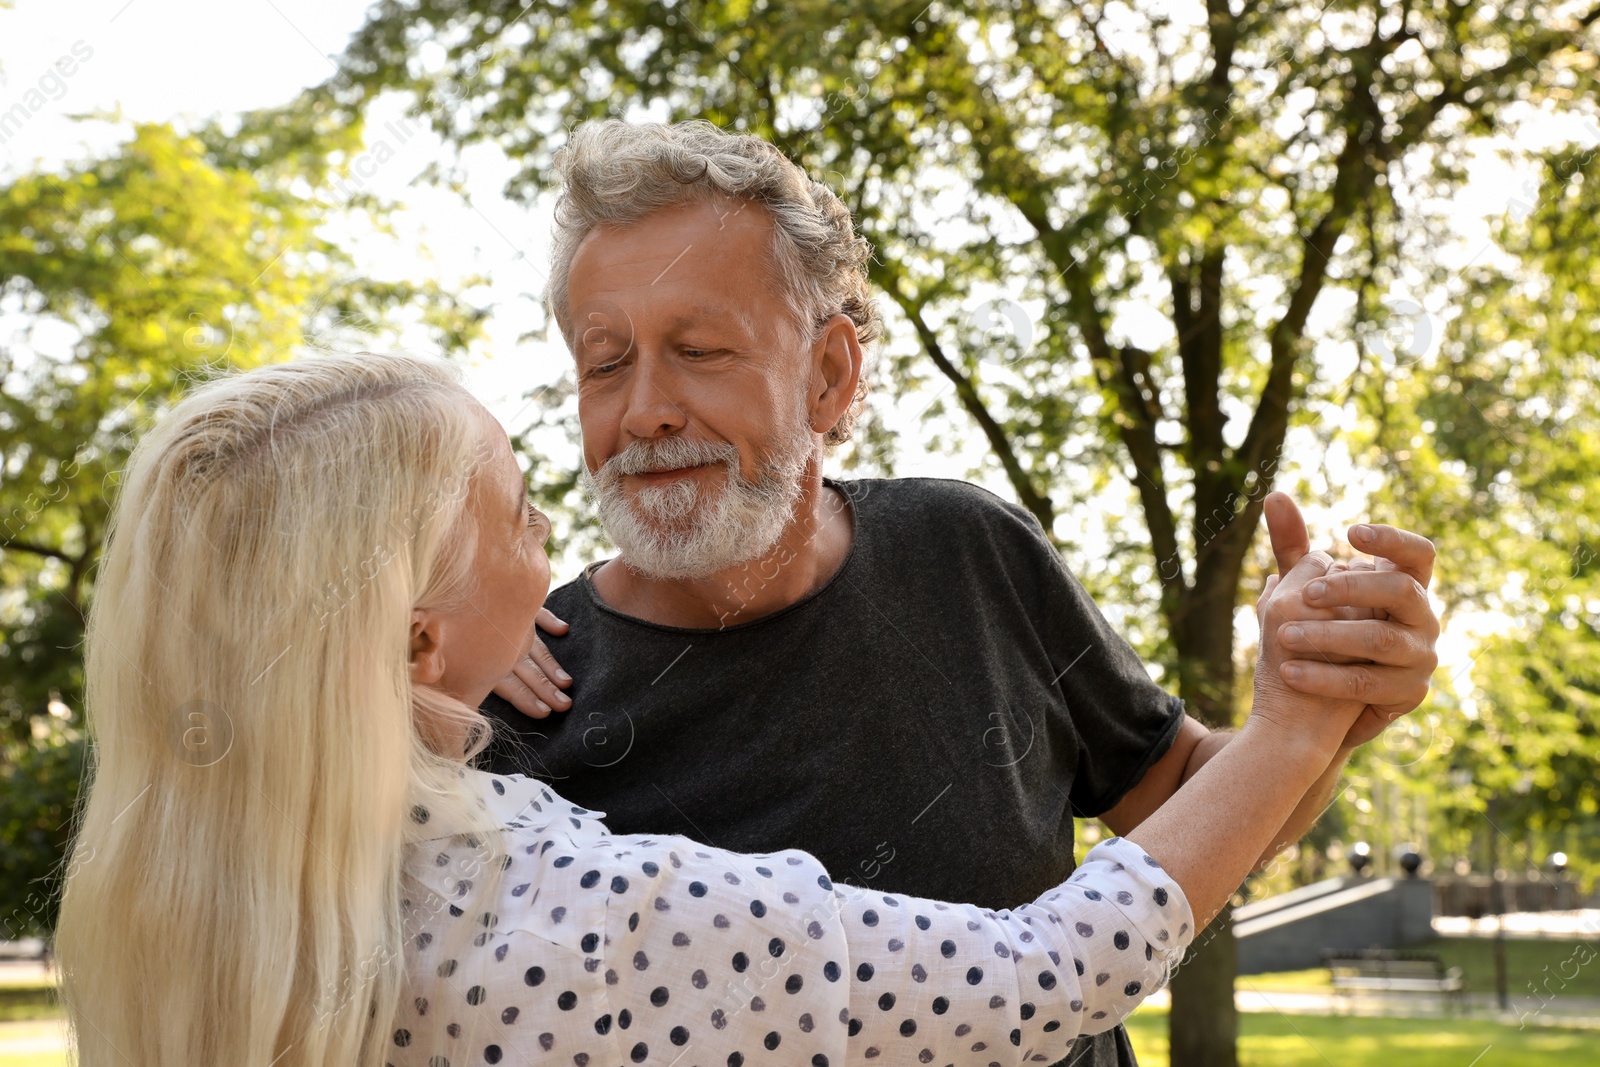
<point>40,1040</point>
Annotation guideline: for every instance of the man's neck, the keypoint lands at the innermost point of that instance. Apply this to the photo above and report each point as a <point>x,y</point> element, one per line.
<point>811,549</point>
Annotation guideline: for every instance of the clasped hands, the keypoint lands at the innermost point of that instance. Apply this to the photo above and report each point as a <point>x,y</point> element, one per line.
<point>1347,647</point>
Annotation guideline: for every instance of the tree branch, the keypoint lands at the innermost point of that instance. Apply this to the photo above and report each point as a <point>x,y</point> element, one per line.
<point>1364,141</point>
<point>1027,493</point>
<point>1270,422</point>
<point>11,544</point>
<point>1415,122</point>
<point>1125,373</point>
<point>1200,351</point>
<point>1137,428</point>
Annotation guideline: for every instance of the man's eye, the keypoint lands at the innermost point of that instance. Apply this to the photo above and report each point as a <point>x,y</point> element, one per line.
<point>602,367</point>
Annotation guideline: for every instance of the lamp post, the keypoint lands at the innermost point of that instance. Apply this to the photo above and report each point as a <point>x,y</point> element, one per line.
<point>1558,881</point>
<point>1410,860</point>
<point>1497,901</point>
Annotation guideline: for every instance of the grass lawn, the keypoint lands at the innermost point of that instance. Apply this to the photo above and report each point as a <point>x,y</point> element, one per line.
<point>1272,1040</point>
<point>1266,1039</point>
<point>1529,966</point>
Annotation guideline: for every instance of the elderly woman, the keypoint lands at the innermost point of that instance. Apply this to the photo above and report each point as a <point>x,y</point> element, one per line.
<point>317,570</point>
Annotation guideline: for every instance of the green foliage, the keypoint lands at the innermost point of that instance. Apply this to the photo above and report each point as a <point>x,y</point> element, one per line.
<point>1494,449</point>
<point>38,794</point>
<point>132,276</point>
<point>21,1003</point>
<point>1169,191</point>
<point>1224,171</point>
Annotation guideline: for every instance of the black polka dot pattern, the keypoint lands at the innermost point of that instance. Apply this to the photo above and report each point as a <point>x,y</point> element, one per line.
<point>628,949</point>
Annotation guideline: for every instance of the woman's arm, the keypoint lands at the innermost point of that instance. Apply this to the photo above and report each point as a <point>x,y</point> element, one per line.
<point>634,949</point>
<point>742,959</point>
<point>955,983</point>
<point>1215,829</point>
<point>1211,834</point>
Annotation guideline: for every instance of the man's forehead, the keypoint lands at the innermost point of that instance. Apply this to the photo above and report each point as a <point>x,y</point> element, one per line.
<point>689,263</point>
<point>672,232</point>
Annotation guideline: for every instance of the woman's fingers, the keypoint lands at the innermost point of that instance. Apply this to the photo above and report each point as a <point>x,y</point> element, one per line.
<point>1395,592</point>
<point>540,672</point>
<point>1403,688</point>
<point>1286,528</point>
<point>514,691</point>
<point>549,623</point>
<point>1382,642</point>
<point>545,660</point>
<point>534,685</point>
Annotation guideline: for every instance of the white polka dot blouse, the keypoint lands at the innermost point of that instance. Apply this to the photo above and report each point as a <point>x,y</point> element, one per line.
<point>605,950</point>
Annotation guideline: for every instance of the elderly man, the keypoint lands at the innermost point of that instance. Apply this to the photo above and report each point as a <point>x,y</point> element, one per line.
<point>898,675</point>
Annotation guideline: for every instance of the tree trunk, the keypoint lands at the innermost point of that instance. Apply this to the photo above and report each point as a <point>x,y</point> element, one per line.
<point>1204,1024</point>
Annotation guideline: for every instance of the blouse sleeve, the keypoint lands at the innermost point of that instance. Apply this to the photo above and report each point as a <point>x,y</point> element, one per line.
<point>960,984</point>
<point>719,958</point>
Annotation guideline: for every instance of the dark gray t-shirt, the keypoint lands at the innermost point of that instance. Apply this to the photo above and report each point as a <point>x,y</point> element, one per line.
<point>928,722</point>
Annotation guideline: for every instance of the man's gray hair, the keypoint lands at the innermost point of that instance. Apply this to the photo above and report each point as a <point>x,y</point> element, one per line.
<point>615,173</point>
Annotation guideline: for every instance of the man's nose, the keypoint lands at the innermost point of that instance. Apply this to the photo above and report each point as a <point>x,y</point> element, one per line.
<point>653,410</point>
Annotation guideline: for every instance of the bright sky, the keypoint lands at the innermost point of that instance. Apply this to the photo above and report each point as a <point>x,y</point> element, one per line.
<point>166,60</point>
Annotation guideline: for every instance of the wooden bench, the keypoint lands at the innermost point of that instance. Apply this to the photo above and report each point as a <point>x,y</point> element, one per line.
<point>1389,971</point>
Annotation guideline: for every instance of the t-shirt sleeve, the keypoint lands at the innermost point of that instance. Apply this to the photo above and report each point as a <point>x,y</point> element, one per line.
<point>1123,720</point>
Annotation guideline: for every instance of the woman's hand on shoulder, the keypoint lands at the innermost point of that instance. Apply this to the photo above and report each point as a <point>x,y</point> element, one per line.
<point>534,686</point>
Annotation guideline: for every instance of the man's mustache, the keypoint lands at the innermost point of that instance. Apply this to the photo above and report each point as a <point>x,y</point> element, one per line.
<point>670,453</point>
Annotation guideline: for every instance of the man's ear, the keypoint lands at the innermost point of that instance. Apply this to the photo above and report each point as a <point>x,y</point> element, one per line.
<point>427,651</point>
<point>836,360</point>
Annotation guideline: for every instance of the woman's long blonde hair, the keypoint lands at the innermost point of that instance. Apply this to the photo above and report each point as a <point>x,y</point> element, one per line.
<point>261,759</point>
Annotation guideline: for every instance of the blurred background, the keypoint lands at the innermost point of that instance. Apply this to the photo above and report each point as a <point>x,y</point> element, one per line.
<point>1141,263</point>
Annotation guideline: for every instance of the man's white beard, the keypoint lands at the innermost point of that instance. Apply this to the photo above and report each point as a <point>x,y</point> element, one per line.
<point>683,530</point>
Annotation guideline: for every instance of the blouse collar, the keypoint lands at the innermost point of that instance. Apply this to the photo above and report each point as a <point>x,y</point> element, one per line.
<point>515,801</point>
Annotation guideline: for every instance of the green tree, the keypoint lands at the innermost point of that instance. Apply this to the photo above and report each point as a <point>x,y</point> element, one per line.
<point>130,276</point>
<point>1175,190</point>
<point>1496,445</point>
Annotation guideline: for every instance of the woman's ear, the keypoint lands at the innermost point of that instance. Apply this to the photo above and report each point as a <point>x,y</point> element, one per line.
<point>427,651</point>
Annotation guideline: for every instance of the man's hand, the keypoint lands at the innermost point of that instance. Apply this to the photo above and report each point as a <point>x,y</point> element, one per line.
<point>1316,719</point>
<point>1369,629</point>
<point>534,685</point>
